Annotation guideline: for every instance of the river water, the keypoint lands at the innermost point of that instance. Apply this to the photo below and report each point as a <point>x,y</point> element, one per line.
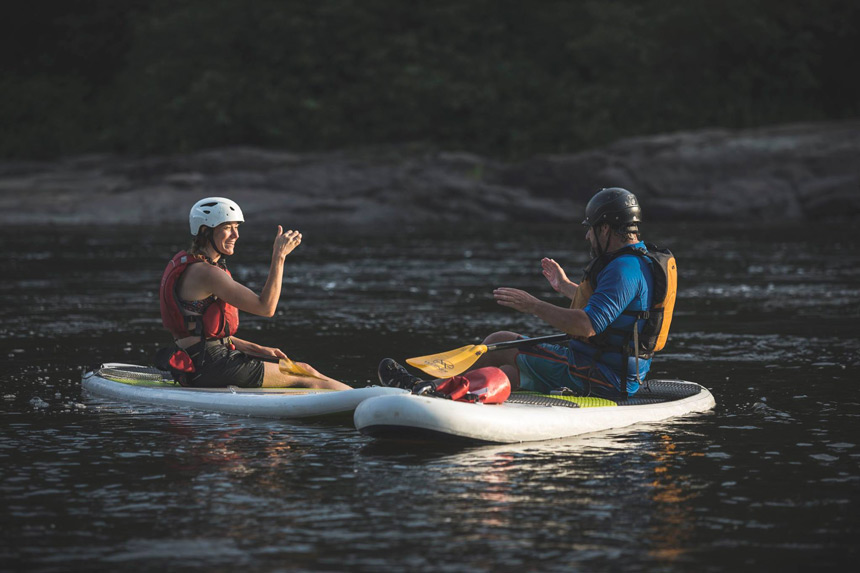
<point>766,318</point>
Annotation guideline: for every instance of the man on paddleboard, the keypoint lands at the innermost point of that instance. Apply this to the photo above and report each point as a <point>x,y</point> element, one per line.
<point>200,305</point>
<point>619,315</point>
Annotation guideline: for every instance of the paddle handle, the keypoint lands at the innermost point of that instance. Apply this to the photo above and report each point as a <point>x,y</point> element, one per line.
<point>527,341</point>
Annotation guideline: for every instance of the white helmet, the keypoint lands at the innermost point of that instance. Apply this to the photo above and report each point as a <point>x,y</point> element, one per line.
<point>213,211</point>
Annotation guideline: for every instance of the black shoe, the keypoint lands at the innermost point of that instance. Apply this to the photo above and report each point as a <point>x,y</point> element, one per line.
<point>425,388</point>
<point>394,375</point>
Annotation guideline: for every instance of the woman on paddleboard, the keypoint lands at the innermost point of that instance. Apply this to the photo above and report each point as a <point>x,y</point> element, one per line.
<point>200,303</point>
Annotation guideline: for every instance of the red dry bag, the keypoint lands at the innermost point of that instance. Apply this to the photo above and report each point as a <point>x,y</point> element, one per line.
<point>488,385</point>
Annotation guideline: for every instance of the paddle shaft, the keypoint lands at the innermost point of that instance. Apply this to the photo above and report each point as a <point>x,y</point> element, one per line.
<point>287,367</point>
<point>457,361</point>
<point>527,341</point>
<point>272,359</point>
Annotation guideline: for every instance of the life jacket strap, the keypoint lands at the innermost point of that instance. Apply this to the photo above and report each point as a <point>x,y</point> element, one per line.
<point>641,314</point>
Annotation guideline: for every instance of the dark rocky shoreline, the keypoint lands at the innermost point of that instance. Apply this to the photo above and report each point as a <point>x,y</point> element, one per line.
<point>795,172</point>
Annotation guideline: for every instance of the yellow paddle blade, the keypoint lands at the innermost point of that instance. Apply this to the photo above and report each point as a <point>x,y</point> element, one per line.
<point>451,363</point>
<point>287,366</point>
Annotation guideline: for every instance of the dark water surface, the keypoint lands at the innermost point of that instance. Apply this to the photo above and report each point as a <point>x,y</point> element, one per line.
<point>769,320</point>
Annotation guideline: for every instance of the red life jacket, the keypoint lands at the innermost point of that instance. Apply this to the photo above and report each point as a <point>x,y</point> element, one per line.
<point>220,320</point>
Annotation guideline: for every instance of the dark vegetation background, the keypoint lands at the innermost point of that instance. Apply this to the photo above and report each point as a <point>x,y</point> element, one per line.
<point>502,78</point>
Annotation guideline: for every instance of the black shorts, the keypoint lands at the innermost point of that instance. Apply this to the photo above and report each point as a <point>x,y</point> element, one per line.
<point>219,367</point>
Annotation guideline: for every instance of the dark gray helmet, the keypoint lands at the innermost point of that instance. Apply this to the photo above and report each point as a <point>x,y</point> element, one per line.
<point>613,205</point>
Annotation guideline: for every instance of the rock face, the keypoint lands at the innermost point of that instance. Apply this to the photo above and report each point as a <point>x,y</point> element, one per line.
<point>794,172</point>
<point>798,172</point>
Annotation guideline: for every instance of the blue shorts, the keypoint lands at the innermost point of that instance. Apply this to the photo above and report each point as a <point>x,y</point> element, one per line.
<point>547,367</point>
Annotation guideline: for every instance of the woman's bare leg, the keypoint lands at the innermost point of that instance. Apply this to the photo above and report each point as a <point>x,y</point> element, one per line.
<point>274,378</point>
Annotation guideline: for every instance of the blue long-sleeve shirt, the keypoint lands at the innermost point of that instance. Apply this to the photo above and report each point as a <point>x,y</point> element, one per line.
<point>626,283</point>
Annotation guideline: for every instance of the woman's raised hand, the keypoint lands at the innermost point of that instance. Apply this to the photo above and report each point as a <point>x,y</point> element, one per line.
<point>285,242</point>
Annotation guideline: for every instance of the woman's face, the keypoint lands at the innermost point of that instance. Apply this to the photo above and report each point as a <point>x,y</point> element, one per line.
<point>225,236</point>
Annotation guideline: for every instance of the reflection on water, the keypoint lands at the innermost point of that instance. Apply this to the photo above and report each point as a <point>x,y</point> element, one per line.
<point>766,319</point>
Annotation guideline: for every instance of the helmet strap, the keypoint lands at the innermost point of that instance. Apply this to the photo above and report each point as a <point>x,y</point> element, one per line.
<point>602,250</point>
<point>214,246</point>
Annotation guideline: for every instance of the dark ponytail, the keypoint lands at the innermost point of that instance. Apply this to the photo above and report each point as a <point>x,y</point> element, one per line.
<point>200,241</point>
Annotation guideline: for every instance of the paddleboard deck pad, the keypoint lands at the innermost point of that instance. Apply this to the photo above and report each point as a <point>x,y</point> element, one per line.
<point>525,416</point>
<point>144,384</point>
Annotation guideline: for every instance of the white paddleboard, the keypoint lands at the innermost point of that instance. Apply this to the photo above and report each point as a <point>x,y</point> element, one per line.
<point>129,382</point>
<point>525,418</point>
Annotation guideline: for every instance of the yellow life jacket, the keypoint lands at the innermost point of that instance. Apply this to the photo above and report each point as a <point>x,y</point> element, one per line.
<point>658,318</point>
